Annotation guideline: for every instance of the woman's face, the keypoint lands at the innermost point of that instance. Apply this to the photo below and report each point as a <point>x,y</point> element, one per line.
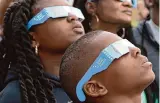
<point>55,35</point>
<point>114,11</point>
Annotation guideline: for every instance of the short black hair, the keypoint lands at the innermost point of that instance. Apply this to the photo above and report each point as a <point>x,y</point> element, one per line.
<point>75,63</point>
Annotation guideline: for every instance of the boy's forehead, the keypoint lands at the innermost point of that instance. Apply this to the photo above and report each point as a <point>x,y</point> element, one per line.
<point>106,39</point>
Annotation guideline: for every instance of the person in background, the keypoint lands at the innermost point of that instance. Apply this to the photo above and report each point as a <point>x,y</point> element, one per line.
<point>146,37</point>
<point>140,13</point>
<point>142,10</point>
<point>107,15</point>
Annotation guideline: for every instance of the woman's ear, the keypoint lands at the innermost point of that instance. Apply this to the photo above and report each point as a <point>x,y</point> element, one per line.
<point>33,34</point>
<point>35,41</point>
<point>149,3</point>
<point>91,8</point>
<point>95,89</point>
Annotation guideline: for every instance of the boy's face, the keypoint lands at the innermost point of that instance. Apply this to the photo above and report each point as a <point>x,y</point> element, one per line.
<point>130,72</point>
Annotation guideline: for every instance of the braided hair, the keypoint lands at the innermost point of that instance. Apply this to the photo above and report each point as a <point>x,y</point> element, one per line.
<point>34,86</point>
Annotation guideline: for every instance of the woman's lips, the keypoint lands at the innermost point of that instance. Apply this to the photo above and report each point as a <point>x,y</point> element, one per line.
<point>78,29</point>
<point>128,12</point>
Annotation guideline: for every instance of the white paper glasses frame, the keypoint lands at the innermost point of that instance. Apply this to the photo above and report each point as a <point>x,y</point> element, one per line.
<point>54,12</point>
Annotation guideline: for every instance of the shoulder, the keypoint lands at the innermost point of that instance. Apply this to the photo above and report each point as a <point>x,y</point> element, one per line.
<point>138,30</point>
<point>61,96</point>
<point>58,92</point>
<point>11,93</point>
<point>137,34</point>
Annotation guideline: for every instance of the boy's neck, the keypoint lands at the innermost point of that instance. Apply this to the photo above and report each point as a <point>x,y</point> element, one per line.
<point>121,99</point>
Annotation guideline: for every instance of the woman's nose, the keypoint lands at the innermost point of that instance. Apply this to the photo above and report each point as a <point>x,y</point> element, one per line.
<point>72,17</point>
<point>127,3</point>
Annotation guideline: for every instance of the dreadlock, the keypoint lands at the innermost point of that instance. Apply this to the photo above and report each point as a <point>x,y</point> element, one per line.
<point>34,86</point>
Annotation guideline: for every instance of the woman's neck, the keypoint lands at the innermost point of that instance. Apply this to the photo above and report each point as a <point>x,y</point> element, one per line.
<point>113,28</point>
<point>155,15</point>
<point>51,62</point>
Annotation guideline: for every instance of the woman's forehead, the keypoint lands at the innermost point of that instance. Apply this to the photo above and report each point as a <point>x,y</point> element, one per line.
<point>47,3</point>
<point>40,4</point>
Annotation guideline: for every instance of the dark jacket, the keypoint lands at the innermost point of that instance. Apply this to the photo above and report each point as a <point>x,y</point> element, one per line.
<point>143,38</point>
<point>11,92</point>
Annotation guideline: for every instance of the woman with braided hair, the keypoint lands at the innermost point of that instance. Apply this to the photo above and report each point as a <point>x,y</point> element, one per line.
<point>36,34</point>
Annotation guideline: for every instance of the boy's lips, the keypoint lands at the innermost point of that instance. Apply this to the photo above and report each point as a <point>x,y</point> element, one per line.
<point>146,63</point>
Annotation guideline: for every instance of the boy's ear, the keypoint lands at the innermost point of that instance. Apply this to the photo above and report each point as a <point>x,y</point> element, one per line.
<point>95,89</point>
